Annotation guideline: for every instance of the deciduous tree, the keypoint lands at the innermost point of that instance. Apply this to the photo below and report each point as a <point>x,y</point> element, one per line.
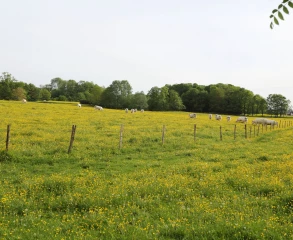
<point>277,104</point>
<point>18,94</point>
<point>117,95</point>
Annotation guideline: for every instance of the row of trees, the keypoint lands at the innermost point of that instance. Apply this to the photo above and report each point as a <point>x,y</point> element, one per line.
<point>215,98</point>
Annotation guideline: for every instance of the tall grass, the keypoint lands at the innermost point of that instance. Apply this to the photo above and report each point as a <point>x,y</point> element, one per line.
<point>182,189</point>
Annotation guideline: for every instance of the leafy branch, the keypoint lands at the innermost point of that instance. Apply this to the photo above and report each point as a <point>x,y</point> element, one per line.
<point>278,12</point>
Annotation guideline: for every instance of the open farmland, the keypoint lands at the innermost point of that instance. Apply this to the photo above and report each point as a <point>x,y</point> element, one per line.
<point>187,188</point>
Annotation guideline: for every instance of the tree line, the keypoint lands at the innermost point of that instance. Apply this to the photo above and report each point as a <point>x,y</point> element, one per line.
<point>191,97</point>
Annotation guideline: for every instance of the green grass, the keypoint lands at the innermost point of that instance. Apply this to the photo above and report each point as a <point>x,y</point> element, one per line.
<point>182,189</point>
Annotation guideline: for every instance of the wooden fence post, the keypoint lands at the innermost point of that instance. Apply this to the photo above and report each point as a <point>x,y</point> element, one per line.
<point>253,130</point>
<point>194,132</point>
<point>234,131</point>
<point>72,138</point>
<point>8,137</point>
<point>163,134</point>
<point>250,130</point>
<point>120,139</point>
<point>257,131</point>
<point>221,138</point>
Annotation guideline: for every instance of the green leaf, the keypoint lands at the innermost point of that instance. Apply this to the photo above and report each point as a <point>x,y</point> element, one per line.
<point>284,1</point>
<point>276,21</point>
<point>285,10</point>
<point>290,4</point>
<point>280,6</point>
<point>271,16</point>
<point>280,16</point>
<point>275,10</point>
<point>271,25</point>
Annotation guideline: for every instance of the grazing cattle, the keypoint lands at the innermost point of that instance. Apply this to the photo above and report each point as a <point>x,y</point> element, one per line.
<point>258,121</point>
<point>135,110</point>
<point>242,119</point>
<point>264,121</point>
<point>126,110</point>
<point>132,110</point>
<point>272,122</point>
<point>228,118</point>
<point>192,115</point>
<point>210,116</point>
<point>218,117</point>
<point>142,110</point>
<point>79,105</point>
<point>98,107</point>
<point>23,100</point>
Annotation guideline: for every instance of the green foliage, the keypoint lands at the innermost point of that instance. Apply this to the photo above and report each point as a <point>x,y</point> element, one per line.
<point>277,13</point>
<point>32,92</point>
<point>139,101</point>
<point>196,100</point>
<point>217,98</point>
<point>62,98</point>
<point>174,101</point>
<point>277,104</point>
<point>154,99</point>
<point>94,95</point>
<point>164,99</point>
<point>117,95</point>
<point>18,94</point>
<point>45,94</point>
<point>7,82</point>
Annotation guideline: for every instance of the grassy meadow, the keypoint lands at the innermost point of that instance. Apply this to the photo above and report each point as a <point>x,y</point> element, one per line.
<point>189,187</point>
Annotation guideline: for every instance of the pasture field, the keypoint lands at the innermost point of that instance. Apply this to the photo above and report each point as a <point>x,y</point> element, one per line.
<point>186,188</point>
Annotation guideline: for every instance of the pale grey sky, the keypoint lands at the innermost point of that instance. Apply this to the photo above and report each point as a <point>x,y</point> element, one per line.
<point>149,43</point>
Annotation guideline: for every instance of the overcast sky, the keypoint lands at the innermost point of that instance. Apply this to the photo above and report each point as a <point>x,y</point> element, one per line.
<point>149,43</point>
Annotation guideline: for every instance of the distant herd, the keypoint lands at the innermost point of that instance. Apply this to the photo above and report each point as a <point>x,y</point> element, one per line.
<point>242,119</point>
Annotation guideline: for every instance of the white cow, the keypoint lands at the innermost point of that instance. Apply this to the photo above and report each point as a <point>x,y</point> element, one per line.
<point>272,122</point>
<point>228,118</point>
<point>142,110</point>
<point>258,121</point>
<point>132,110</point>
<point>24,101</point>
<point>242,119</point>
<point>98,107</point>
<point>218,117</point>
<point>264,121</point>
<point>126,110</point>
<point>210,116</point>
<point>79,105</point>
<point>192,115</point>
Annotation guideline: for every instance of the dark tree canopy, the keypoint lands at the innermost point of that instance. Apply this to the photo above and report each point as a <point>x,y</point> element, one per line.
<point>117,95</point>
<point>278,105</point>
<point>192,97</point>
